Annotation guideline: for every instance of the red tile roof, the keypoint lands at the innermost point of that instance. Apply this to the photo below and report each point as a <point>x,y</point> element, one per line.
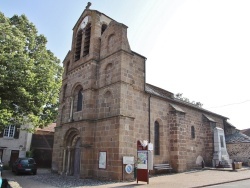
<point>49,128</point>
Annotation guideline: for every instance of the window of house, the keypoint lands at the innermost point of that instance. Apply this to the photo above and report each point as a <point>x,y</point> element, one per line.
<point>78,45</point>
<point>79,100</point>
<point>9,132</point>
<point>192,132</point>
<point>87,40</point>
<point>157,138</point>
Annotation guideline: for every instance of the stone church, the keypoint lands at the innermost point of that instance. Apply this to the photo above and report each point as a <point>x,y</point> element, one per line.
<point>106,106</point>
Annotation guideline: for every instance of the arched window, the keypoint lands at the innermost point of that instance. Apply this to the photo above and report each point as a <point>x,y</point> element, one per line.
<point>192,132</point>
<point>157,138</point>
<point>104,26</point>
<point>79,100</point>
<point>64,92</point>
<point>78,45</point>
<point>87,40</point>
<point>67,67</point>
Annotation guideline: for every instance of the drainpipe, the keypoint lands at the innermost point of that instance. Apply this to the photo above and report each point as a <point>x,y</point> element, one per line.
<point>213,127</point>
<point>149,136</point>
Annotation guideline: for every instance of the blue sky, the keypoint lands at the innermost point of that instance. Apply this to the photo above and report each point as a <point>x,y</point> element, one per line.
<point>198,48</point>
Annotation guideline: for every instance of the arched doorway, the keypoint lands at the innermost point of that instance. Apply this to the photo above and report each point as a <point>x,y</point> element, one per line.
<point>72,152</point>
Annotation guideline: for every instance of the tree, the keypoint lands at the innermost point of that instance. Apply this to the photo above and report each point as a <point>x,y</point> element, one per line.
<point>180,97</point>
<point>30,75</point>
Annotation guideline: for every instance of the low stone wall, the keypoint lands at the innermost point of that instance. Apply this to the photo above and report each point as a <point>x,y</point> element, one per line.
<point>239,152</point>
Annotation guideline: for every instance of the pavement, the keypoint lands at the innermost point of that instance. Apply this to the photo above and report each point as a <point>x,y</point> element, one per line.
<point>192,179</point>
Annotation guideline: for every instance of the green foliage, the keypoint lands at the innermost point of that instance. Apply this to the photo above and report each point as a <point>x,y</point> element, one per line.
<point>180,97</point>
<point>30,153</point>
<point>30,75</point>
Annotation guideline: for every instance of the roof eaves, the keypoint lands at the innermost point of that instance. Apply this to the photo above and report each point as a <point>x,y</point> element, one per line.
<point>177,108</point>
<point>209,118</point>
<point>139,54</point>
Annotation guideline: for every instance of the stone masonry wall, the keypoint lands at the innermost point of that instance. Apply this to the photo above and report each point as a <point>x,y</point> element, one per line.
<point>239,152</point>
<point>159,111</point>
<point>106,136</point>
<point>178,141</point>
<point>202,144</point>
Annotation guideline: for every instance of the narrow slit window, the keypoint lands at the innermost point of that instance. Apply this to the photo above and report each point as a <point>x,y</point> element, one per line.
<point>104,26</point>
<point>157,139</point>
<point>78,45</point>
<point>64,91</point>
<point>87,40</point>
<point>67,67</point>
<point>192,132</point>
<point>79,100</point>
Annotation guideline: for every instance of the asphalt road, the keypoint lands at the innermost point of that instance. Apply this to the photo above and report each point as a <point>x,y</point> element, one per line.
<point>237,184</point>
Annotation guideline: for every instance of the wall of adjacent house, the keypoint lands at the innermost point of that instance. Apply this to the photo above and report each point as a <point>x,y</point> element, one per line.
<point>21,144</point>
<point>42,145</point>
<point>239,152</point>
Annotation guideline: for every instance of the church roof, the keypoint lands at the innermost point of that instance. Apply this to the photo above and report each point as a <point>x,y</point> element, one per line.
<point>156,91</point>
<point>246,132</point>
<point>237,137</point>
<point>90,10</point>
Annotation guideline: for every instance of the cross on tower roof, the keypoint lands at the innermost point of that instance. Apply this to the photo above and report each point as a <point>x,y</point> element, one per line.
<point>88,5</point>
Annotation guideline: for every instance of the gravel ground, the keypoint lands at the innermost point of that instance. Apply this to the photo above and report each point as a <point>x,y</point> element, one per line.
<point>46,179</point>
<point>45,176</point>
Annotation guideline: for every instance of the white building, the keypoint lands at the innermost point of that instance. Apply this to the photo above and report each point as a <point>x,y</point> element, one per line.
<point>14,142</point>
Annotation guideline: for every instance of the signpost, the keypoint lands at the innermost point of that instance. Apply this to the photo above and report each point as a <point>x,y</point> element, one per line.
<point>142,161</point>
<point>129,161</point>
